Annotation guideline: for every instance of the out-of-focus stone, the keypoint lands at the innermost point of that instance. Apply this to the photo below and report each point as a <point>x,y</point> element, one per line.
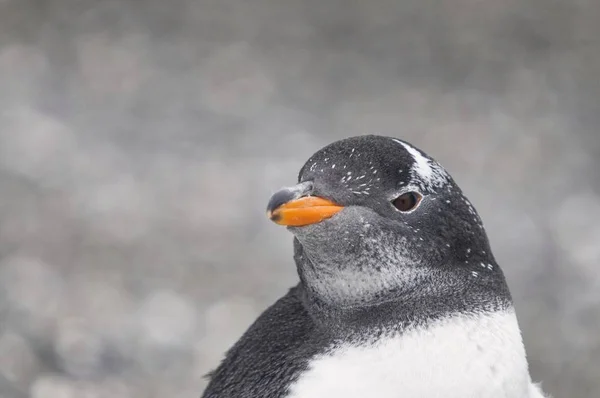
<point>18,362</point>
<point>120,207</point>
<point>21,69</point>
<point>53,386</point>
<point>104,389</point>
<point>226,321</point>
<point>235,83</point>
<point>166,319</point>
<point>34,294</point>
<point>111,67</point>
<point>36,145</point>
<point>576,225</point>
<point>78,348</point>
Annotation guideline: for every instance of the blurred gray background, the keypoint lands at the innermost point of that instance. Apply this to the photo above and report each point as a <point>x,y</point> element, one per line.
<point>141,140</point>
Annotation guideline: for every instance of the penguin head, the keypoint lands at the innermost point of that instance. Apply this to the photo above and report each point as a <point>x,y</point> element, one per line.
<point>373,217</point>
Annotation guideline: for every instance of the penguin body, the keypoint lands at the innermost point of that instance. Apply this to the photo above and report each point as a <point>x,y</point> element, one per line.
<point>399,294</point>
<point>456,357</point>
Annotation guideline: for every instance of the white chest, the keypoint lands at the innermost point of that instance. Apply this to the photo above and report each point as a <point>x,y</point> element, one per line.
<point>460,357</point>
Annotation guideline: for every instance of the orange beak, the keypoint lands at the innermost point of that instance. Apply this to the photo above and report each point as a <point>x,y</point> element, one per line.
<point>303,211</point>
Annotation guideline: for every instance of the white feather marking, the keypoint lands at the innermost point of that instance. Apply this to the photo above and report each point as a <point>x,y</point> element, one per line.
<point>476,356</point>
<point>429,172</point>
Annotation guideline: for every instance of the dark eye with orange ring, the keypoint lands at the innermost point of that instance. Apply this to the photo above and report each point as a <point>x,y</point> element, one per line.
<point>407,201</point>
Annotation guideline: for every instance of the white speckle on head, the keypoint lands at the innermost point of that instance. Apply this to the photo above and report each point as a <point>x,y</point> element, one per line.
<point>427,171</point>
<point>333,166</point>
<point>475,274</point>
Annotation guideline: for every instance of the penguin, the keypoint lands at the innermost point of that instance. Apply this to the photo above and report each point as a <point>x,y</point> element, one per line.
<point>399,294</point>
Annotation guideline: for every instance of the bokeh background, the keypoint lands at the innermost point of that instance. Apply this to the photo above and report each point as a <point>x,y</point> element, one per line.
<point>140,141</point>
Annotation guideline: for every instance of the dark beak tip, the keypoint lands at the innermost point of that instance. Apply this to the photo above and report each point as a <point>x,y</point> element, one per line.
<point>273,216</point>
<point>286,195</point>
<point>279,198</point>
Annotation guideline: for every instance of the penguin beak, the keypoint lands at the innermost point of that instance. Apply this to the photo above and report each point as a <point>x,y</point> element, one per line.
<point>294,208</point>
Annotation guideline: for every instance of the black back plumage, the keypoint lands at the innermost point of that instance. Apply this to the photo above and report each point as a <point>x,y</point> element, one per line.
<point>271,354</point>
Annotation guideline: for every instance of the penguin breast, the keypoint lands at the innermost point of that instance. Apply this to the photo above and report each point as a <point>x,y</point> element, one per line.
<point>461,356</point>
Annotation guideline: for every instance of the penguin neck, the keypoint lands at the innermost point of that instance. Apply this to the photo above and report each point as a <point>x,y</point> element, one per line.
<point>440,295</point>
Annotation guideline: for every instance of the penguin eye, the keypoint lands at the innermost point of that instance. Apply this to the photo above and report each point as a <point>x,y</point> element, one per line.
<point>407,201</point>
